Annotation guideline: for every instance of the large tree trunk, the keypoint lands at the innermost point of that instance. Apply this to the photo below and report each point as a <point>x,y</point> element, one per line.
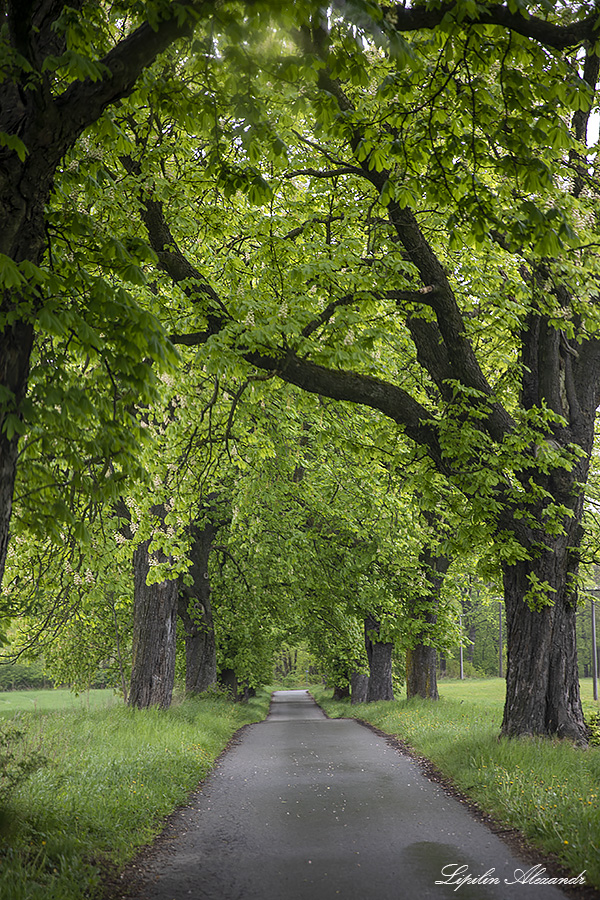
<point>15,351</point>
<point>341,692</point>
<point>154,636</point>
<point>421,676</point>
<point>47,124</point>
<point>542,679</point>
<point>379,655</point>
<point>229,680</point>
<point>195,612</point>
<point>24,190</point>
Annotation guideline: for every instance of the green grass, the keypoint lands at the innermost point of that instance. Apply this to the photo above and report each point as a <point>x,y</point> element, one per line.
<point>54,699</point>
<point>549,790</point>
<point>112,775</point>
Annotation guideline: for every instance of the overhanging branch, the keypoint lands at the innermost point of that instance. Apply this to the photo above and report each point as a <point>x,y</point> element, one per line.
<point>559,37</point>
<point>337,384</point>
<point>419,296</point>
<point>448,336</point>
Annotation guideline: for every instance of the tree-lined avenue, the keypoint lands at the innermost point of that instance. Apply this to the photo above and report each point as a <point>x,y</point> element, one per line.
<point>309,807</point>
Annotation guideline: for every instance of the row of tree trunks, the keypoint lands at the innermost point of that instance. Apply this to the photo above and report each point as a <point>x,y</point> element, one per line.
<point>154,626</point>
<point>379,655</point>
<point>377,685</point>
<point>421,677</point>
<point>286,664</point>
<point>195,612</point>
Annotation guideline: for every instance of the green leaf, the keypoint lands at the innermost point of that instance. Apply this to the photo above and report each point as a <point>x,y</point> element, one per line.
<point>10,276</point>
<point>133,274</point>
<point>50,322</point>
<point>81,532</point>
<point>14,142</point>
<point>13,426</point>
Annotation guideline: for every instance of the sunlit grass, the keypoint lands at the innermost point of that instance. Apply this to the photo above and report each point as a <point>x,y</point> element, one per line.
<point>550,790</point>
<point>53,699</point>
<point>112,775</point>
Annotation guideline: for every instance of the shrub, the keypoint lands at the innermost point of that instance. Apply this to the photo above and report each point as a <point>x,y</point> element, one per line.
<point>18,677</point>
<point>593,723</point>
<point>453,669</point>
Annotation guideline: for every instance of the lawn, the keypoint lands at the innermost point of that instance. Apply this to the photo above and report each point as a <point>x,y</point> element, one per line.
<point>493,690</point>
<point>550,790</point>
<point>55,699</point>
<point>109,778</point>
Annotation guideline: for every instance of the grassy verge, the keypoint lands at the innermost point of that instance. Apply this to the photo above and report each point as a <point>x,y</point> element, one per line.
<point>112,774</point>
<point>549,790</point>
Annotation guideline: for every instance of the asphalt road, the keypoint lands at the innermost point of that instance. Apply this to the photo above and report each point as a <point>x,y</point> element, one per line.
<point>310,808</point>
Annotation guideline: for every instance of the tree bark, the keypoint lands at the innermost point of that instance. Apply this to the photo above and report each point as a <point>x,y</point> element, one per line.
<point>359,687</point>
<point>558,36</point>
<point>195,612</point>
<point>228,679</point>
<point>154,636</point>
<point>15,352</point>
<point>421,674</point>
<point>542,677</point>
<point>379,655</point>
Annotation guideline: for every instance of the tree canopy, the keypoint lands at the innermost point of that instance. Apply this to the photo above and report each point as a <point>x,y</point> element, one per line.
<point>393,207</point>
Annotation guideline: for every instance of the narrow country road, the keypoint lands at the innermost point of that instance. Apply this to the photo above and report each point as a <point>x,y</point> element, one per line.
<point>310,808</point>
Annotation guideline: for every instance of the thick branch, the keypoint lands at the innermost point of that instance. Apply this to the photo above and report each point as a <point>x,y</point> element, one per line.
<point>449,337</point>
<point>325,173</point>
<point>177,266</point>
<point>388,399</point>
<point>328,312</point>
<point>192,339</point>
<point>84,101</point>
<point>581,118</point>
<point>316,220</point>
<point>559,37</point>
<point>352,299</point>
<point>365,390</point>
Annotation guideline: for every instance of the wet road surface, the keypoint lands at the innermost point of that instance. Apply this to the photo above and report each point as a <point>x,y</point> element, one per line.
<point>310,808</point>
